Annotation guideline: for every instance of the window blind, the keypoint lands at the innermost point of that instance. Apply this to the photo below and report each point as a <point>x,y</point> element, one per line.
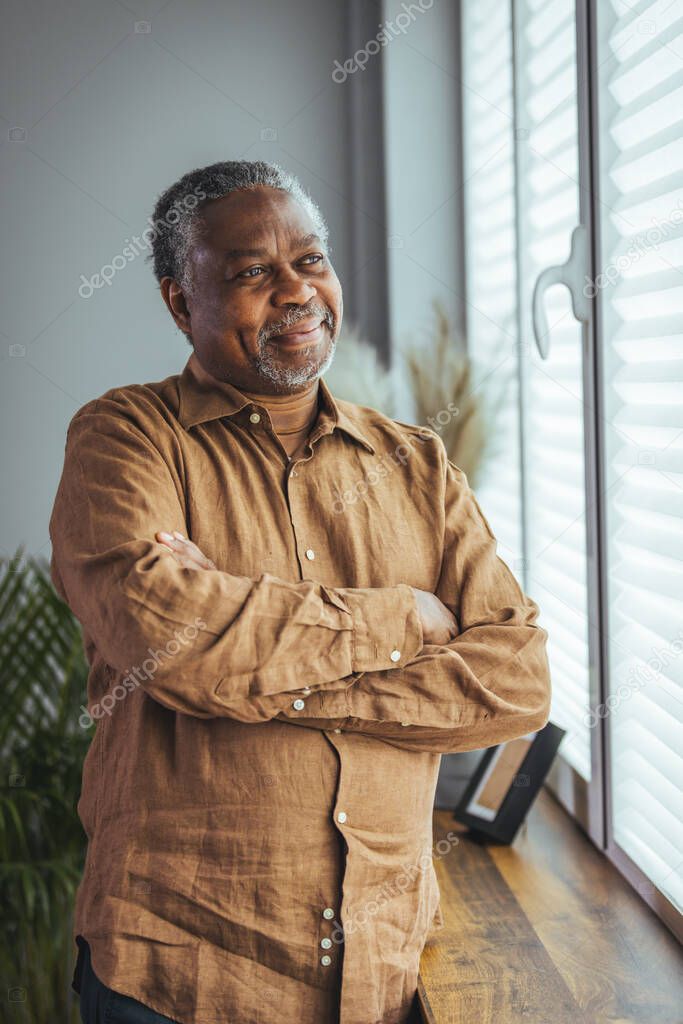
<point>491,276</point>
<point>555,496</point>
<point>640,290</point>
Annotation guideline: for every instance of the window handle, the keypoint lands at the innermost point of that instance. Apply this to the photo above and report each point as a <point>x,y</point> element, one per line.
<point>572,274</point>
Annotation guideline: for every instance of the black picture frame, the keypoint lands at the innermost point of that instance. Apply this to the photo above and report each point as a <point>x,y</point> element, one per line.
<point>499,819</point>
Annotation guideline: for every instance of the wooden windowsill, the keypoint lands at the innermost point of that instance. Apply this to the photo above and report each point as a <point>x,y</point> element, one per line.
<point>545,931</point>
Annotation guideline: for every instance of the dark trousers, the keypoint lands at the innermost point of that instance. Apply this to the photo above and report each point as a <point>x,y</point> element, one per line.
<point>101,1005</point>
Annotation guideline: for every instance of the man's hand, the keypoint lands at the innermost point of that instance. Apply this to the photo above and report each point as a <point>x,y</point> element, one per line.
<point>185,552</point>
<point>438,623</point>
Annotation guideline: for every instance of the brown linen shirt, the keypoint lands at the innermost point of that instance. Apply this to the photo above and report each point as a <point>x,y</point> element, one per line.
<point>259,789</point>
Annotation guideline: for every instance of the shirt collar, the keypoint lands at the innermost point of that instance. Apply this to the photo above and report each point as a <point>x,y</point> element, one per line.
<point>199,403</point>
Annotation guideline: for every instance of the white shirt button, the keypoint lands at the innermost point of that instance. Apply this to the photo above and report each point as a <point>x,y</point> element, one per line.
<point>328,913</point>
<point>326,943</point>
<point>255,417</point>
<point>326,960</point>
<point>405,723</point>
<point>310,554</point>
<point>299,704</point>
<point>341,817</point>
<point>306,690</point>
<point>336,730</point>
<point>395,655</point>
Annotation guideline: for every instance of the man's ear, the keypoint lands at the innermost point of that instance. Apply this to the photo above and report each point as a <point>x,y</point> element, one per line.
<point>175,300</point>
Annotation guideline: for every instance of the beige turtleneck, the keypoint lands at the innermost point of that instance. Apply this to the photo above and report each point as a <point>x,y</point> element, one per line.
<point>292,416</point>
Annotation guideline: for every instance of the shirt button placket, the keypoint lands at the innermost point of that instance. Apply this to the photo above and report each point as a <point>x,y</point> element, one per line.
<point>309,553</point>
<point>325,942</point>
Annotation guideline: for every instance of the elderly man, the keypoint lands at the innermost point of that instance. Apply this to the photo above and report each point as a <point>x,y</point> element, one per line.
<point>291,606</point>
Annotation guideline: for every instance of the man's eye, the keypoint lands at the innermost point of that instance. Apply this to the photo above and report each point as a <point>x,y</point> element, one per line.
<point>258,271</point>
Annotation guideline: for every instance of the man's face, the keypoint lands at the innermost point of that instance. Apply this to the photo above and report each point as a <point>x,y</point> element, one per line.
<point>260,274</point>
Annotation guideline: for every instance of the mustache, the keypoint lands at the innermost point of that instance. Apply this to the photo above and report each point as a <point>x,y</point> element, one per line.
<point>296,317</point>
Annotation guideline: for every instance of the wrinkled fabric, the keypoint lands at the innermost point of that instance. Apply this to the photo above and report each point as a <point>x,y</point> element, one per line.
<point>101,1005</point>
<point>259,789</point>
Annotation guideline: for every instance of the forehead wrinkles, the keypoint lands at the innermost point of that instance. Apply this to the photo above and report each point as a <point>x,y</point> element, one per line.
<point>272,223</point>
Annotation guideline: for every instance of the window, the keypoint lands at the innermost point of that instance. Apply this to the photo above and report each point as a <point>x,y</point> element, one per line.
<point>573,216</point>
<point>521,207</point>
<point>553,407</point>
<point>639,295</point>
<point>491,280</point>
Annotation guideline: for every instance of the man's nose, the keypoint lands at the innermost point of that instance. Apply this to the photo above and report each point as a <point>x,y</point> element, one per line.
<point>291,287</point>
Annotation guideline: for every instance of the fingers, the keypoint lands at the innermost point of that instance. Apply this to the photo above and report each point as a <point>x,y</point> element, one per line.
<point>185,551</point>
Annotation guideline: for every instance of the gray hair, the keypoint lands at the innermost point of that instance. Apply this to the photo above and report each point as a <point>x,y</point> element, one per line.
<point>176,216</point>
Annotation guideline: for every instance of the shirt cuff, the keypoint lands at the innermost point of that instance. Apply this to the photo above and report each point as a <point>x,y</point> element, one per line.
<point>387,631</point>
<point>328,700</point>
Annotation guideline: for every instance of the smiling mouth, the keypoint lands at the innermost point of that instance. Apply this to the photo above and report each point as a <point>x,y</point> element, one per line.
<point>299,337</point>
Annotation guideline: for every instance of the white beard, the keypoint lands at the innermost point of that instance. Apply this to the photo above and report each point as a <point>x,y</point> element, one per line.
<point>292,377</point>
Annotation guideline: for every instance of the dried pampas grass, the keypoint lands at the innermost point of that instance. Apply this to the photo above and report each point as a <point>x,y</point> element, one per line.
<point>446,398</point>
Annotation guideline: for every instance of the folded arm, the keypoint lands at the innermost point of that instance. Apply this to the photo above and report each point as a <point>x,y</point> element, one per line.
<point>224,643</point>
<point>491,683</point>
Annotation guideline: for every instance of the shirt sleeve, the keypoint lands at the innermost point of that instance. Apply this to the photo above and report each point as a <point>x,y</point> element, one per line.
<point>215,638</point>
<point>488,685</point>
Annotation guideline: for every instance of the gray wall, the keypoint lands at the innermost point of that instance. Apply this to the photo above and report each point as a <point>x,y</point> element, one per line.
<point>423,169</point>
<point>100,114</point>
